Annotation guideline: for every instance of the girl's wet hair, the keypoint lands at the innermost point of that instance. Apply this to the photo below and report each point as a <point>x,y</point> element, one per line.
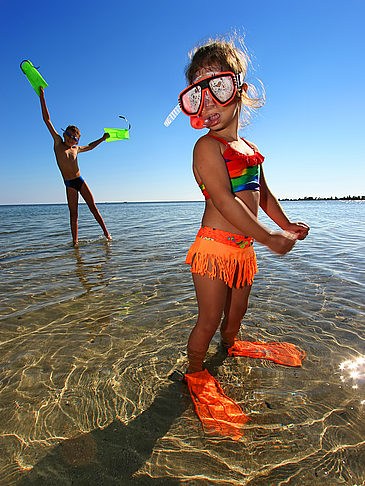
<point>228,57</point>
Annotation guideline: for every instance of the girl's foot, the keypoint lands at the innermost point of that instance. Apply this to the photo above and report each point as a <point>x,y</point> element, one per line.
<point>177,375</point>
<point>224,347</point>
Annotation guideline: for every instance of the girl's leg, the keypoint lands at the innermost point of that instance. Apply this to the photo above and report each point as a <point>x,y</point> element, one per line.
<point>88,198</point>
<point>73,201</point>
<point>234,311</point>
<point>211,296</point>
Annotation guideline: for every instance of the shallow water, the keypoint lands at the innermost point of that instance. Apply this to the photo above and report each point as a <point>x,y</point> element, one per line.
<point>89,337</point>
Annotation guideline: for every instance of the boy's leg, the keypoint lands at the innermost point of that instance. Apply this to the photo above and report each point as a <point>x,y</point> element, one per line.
<point>211,296</point>
<point>234,311</point>
<point>72,201</point>
<point>88,198</point>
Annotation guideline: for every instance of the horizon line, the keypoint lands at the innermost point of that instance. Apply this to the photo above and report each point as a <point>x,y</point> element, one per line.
<point>304,198</point>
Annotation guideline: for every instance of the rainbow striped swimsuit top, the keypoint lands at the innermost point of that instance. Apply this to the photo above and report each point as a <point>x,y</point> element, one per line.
<point>243,169</point>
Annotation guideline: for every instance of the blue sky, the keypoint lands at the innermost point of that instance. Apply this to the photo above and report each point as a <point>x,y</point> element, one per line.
<point>115,58</point>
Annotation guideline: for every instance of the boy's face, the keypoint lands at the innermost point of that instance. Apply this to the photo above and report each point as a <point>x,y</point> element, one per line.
<point>71,138</point>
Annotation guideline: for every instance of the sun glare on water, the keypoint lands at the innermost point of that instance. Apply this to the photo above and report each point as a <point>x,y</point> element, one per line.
<point>354,371</point>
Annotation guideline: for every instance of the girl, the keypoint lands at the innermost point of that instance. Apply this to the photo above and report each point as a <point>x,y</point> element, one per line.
<point>229,172</point>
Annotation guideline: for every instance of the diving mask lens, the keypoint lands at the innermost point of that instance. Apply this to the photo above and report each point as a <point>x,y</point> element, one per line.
<point>191,100</point>
<point>222,87</point>
<point>75,139</point>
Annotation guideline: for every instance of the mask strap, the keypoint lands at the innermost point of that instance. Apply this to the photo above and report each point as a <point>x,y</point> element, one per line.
<point>240,80</point>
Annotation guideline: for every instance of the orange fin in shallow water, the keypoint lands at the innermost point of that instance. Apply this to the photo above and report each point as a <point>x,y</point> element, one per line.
<point>282,353</point>
<point>219,414</point>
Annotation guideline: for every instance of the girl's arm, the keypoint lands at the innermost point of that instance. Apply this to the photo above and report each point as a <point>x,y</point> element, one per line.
<point>273,209</point>
<point>211,168</point>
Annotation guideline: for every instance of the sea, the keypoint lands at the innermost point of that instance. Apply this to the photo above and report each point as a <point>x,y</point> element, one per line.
<point>92,340</point>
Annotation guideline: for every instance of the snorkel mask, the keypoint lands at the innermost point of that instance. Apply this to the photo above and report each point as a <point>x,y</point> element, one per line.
<point>222,89</point>
<point>69,134</point>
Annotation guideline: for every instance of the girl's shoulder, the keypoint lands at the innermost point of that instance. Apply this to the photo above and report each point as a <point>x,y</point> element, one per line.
<point>207,148</point>
<point>251,144</point>
<point>207,143</point>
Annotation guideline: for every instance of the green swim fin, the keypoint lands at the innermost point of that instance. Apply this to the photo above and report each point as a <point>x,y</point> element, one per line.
<point>116,134</point>
<point>33,76</point>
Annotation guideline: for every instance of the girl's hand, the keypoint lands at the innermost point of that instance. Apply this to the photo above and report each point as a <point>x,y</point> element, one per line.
<point>300,229</point>
<point>281,243</point>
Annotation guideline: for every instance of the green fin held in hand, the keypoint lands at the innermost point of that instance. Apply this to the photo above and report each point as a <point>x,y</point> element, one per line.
<point>33,76</point>
<point>118,133</point>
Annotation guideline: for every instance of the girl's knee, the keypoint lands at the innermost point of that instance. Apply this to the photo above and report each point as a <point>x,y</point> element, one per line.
<point>206,328</point>
<point>210,311</point>
<point>209,320</point>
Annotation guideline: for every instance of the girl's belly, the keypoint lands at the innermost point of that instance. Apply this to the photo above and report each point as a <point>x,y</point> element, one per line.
<point>212,217</point>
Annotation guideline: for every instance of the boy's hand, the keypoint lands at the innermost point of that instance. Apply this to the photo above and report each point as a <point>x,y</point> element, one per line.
<point>105,136</point>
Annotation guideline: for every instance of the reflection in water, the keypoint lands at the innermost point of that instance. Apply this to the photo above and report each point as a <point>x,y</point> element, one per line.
<point>93,274</point>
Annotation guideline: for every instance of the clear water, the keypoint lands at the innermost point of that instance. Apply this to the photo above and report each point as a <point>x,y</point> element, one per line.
<point>89,337</point>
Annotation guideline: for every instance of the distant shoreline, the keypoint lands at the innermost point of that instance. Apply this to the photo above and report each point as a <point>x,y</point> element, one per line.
<point>307,198</point>
<point>335,198</point>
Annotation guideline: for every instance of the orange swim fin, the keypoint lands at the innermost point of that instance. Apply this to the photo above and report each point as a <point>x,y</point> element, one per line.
<point>218,413</point>
<point>282,353</point>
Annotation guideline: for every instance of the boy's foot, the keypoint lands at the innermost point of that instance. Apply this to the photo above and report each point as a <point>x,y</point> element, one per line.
<point>75,244</point>
<point>108,236</point>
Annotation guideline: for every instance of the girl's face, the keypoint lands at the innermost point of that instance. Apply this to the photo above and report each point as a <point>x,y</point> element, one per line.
<point>216,116</point>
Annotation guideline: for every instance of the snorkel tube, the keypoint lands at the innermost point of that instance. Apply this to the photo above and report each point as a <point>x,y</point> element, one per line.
<point>195,121</point>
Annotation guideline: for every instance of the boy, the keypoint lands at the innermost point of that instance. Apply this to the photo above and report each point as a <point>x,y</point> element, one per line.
<point>66,151</point>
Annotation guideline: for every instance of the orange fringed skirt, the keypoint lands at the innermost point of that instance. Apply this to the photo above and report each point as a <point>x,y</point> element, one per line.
<point>223,255</point>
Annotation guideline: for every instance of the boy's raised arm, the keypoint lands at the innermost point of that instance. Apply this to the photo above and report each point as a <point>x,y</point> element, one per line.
<point>47,118</point>
<point>94,144</point>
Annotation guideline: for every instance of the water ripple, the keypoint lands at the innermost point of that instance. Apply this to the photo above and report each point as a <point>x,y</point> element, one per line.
<point>89,337</point>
